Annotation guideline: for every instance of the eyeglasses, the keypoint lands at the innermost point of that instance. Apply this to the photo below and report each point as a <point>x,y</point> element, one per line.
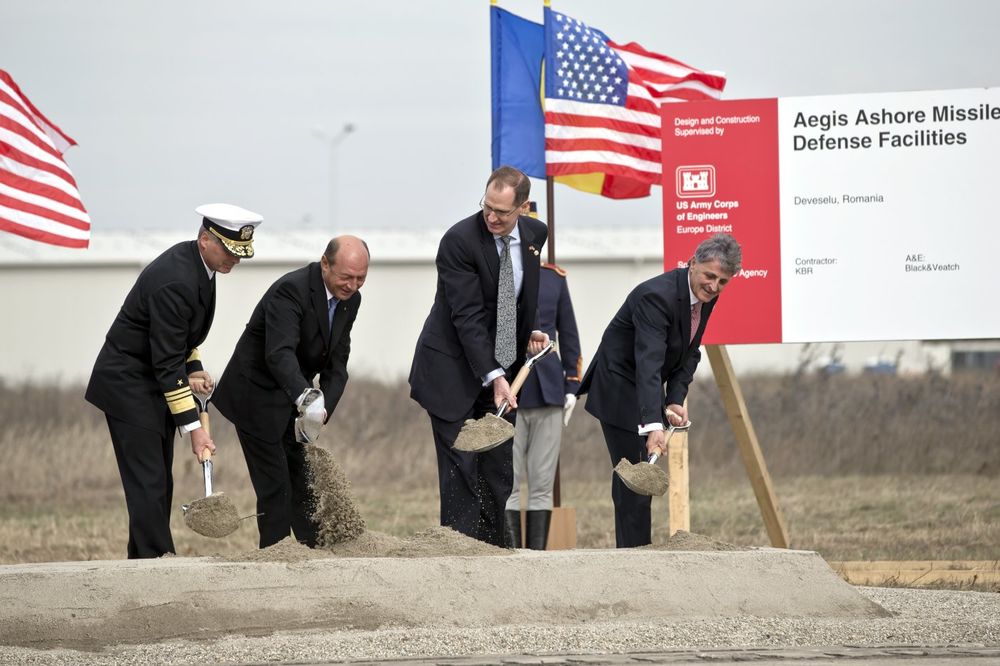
<point>501,214</point>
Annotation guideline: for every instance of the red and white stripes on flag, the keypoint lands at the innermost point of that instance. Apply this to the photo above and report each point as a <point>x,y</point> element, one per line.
<point>38,195</point>
<point>602,101</point>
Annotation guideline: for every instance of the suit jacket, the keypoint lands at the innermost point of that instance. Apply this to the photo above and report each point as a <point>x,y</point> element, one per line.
<point>644,348</point>
<point>455,349</point>
<point>142,369</point>
<point>287,342</point>
<point>555,375</point>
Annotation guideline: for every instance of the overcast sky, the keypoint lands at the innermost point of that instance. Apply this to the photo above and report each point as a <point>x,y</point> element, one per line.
<point>175,104</point>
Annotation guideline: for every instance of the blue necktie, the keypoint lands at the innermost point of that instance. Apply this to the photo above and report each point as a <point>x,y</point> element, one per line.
<point>331,306</point>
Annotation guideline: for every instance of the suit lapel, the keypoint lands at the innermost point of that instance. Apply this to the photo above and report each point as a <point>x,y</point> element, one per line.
<point>206,291</point>
<point>319,300</point>
<point>209,307</point>
<point>684,304</point>
<point>529,261</point>
<point>340,318</point>
<point>488,245</point>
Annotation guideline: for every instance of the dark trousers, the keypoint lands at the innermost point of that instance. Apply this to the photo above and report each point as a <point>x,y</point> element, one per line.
<point>633,517</point>
<point>279,475</point>
<point>474,487</point>
<point>145,462</point>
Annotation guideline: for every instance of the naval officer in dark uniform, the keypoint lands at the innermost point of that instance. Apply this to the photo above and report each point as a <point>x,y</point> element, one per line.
<point>149,365</point>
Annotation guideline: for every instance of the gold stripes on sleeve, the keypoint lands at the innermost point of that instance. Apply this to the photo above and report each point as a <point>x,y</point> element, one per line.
<point>579,370</point>
<point>180,401</point>
<point>195,355</point>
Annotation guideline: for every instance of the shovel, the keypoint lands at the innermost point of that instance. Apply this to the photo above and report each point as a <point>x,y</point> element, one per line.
<point>489,432</point>
<point>215,515</point>
<point>645,478</point>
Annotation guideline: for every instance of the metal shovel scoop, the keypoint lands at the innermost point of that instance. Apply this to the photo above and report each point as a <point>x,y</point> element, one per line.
<point>489,432</point>
<point>215,515</point>
<point>645,478</point>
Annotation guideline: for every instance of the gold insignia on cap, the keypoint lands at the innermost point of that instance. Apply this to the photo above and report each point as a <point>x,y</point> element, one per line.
<point>246,232</point>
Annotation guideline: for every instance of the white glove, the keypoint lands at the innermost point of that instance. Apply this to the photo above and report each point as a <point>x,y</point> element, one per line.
<point>568,408</point>
<point>312,415</point>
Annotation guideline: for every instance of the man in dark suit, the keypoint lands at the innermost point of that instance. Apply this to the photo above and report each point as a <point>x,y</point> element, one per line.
<point>544,406</point>
<point>473,341</point>
<point>149,365</point>
<point>644,364</point>
<point>301,328</point>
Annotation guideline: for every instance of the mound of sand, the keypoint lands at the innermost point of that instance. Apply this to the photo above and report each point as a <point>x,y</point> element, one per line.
<point>682,540</point>
<point>433,542</point>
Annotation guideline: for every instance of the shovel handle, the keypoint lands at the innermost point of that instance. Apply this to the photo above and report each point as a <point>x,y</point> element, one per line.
<point>520,378</point>
<point>206,454</point>
<point>522,374</point>
<point>671,429</point>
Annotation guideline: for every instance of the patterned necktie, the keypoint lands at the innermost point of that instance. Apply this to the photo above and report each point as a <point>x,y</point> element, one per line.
<point>506,309</point>
<point>695,319</point>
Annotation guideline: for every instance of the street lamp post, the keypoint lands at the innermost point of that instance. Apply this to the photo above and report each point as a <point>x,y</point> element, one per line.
<point>334,140</point>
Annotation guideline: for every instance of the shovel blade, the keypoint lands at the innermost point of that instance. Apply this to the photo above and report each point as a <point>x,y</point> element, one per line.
<point>642,478</point>
<point>479,435</point>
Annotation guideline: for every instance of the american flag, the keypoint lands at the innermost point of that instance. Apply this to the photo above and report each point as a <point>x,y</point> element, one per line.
<point>38,195</point>
<point>602,102</point>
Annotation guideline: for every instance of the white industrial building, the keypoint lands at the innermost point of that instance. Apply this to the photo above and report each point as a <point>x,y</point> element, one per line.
<point>58,303</point>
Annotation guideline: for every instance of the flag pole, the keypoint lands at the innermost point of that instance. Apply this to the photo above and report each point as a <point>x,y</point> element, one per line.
<point>550,215</point>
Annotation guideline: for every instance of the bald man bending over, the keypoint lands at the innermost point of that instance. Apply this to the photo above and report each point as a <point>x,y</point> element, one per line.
<point>300,329</point>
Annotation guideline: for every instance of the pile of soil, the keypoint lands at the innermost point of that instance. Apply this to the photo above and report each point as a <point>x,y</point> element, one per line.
<point>342,530</point>
<point>682,540</point>
<point>433,542</point>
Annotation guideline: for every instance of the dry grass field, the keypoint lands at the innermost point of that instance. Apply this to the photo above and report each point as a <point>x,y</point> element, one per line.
<point>864,467</point>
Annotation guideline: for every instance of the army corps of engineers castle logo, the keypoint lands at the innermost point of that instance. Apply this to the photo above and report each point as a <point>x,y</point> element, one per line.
<point>696,181</point>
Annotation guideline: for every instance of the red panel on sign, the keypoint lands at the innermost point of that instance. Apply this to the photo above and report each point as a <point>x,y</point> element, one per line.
<point>720,174</point>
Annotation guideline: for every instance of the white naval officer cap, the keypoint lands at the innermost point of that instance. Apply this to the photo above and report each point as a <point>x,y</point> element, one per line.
<point>232,225</point>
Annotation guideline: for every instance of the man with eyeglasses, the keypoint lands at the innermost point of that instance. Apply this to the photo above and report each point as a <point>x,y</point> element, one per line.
<point>474,341</point>
<point>149,367</point>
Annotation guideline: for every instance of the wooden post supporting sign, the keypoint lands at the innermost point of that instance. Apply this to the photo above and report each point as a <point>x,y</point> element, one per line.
<point>746,438</point>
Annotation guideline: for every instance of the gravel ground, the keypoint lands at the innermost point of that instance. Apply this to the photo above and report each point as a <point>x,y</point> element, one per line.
<point>920,618</point>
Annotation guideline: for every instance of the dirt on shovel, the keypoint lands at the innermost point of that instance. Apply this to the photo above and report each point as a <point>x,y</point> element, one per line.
<point>214,516</point>
<point>643,478</point>
<point>478,435</point>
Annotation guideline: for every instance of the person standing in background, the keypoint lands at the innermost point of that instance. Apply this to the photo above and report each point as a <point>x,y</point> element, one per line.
<point>544,407</point>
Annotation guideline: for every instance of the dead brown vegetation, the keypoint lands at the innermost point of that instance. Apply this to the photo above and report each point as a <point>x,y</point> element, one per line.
<point>864,467</point>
